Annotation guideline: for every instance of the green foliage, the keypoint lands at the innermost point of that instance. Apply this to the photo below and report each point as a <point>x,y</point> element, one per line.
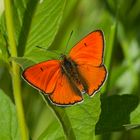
<point>48,24</point>
<point>84,117</point>
<point>76,119</point>
<point>71,120</point>
<point>120,108</point>
<point>53,132</point>
<point>8,121</point>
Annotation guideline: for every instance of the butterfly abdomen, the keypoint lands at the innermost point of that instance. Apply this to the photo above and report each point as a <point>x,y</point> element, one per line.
<point>69,67</point>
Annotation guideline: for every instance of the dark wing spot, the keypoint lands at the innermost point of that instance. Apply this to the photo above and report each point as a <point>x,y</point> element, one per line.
<point>85,44</point>
<point>41,69</point>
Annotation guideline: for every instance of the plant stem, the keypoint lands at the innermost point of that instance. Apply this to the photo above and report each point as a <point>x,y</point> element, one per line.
<point>15,72</point>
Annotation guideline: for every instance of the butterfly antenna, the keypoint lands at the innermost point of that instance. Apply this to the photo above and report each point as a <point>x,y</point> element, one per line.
<point>52,51</point>
<point>68,41</point>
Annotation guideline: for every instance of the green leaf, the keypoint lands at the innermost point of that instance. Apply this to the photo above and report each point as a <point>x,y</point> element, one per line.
<point>78,121</point>
<point>53,132</point>
<point>3,44</point>
<point>37,23</point>
<point>45,24</point>
<point>84,117</point>
<point>23,62</point>
<point>134,119</point>
<point>115,113</point>
<point>8,121</point>
<point>135,116</point>
<point>1,7</point>
<point>37,56</point>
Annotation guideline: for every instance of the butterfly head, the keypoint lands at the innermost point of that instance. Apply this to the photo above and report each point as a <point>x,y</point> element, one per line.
<point>63,56</point>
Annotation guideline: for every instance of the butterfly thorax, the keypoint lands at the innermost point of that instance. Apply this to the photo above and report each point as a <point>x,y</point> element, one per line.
<point>70,69</point>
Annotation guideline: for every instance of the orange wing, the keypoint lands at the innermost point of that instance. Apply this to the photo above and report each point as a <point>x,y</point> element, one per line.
<point>88,55</point>
<point>65,93</point>
<point>43,75</point>
<point>93,76</point>
<point>48,77</point>
<point>89,50</point>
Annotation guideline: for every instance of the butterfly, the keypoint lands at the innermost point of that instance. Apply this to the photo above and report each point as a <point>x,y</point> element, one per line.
<point>66,80</point>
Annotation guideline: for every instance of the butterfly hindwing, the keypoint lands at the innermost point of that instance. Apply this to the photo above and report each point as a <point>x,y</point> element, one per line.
<point>93,76</point>
<point>65,93</point>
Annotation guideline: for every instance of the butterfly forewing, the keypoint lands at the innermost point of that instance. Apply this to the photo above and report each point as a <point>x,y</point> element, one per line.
<point>89,50</point>
<point>43,75</point>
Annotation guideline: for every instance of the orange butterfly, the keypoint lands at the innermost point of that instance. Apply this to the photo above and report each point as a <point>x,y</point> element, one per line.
<point>65,80</point>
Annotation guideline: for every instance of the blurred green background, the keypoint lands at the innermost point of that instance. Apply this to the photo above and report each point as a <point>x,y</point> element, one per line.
<point>120,22</point>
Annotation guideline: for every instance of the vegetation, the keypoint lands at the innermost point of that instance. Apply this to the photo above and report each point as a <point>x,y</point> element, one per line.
<point>113,113</point>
